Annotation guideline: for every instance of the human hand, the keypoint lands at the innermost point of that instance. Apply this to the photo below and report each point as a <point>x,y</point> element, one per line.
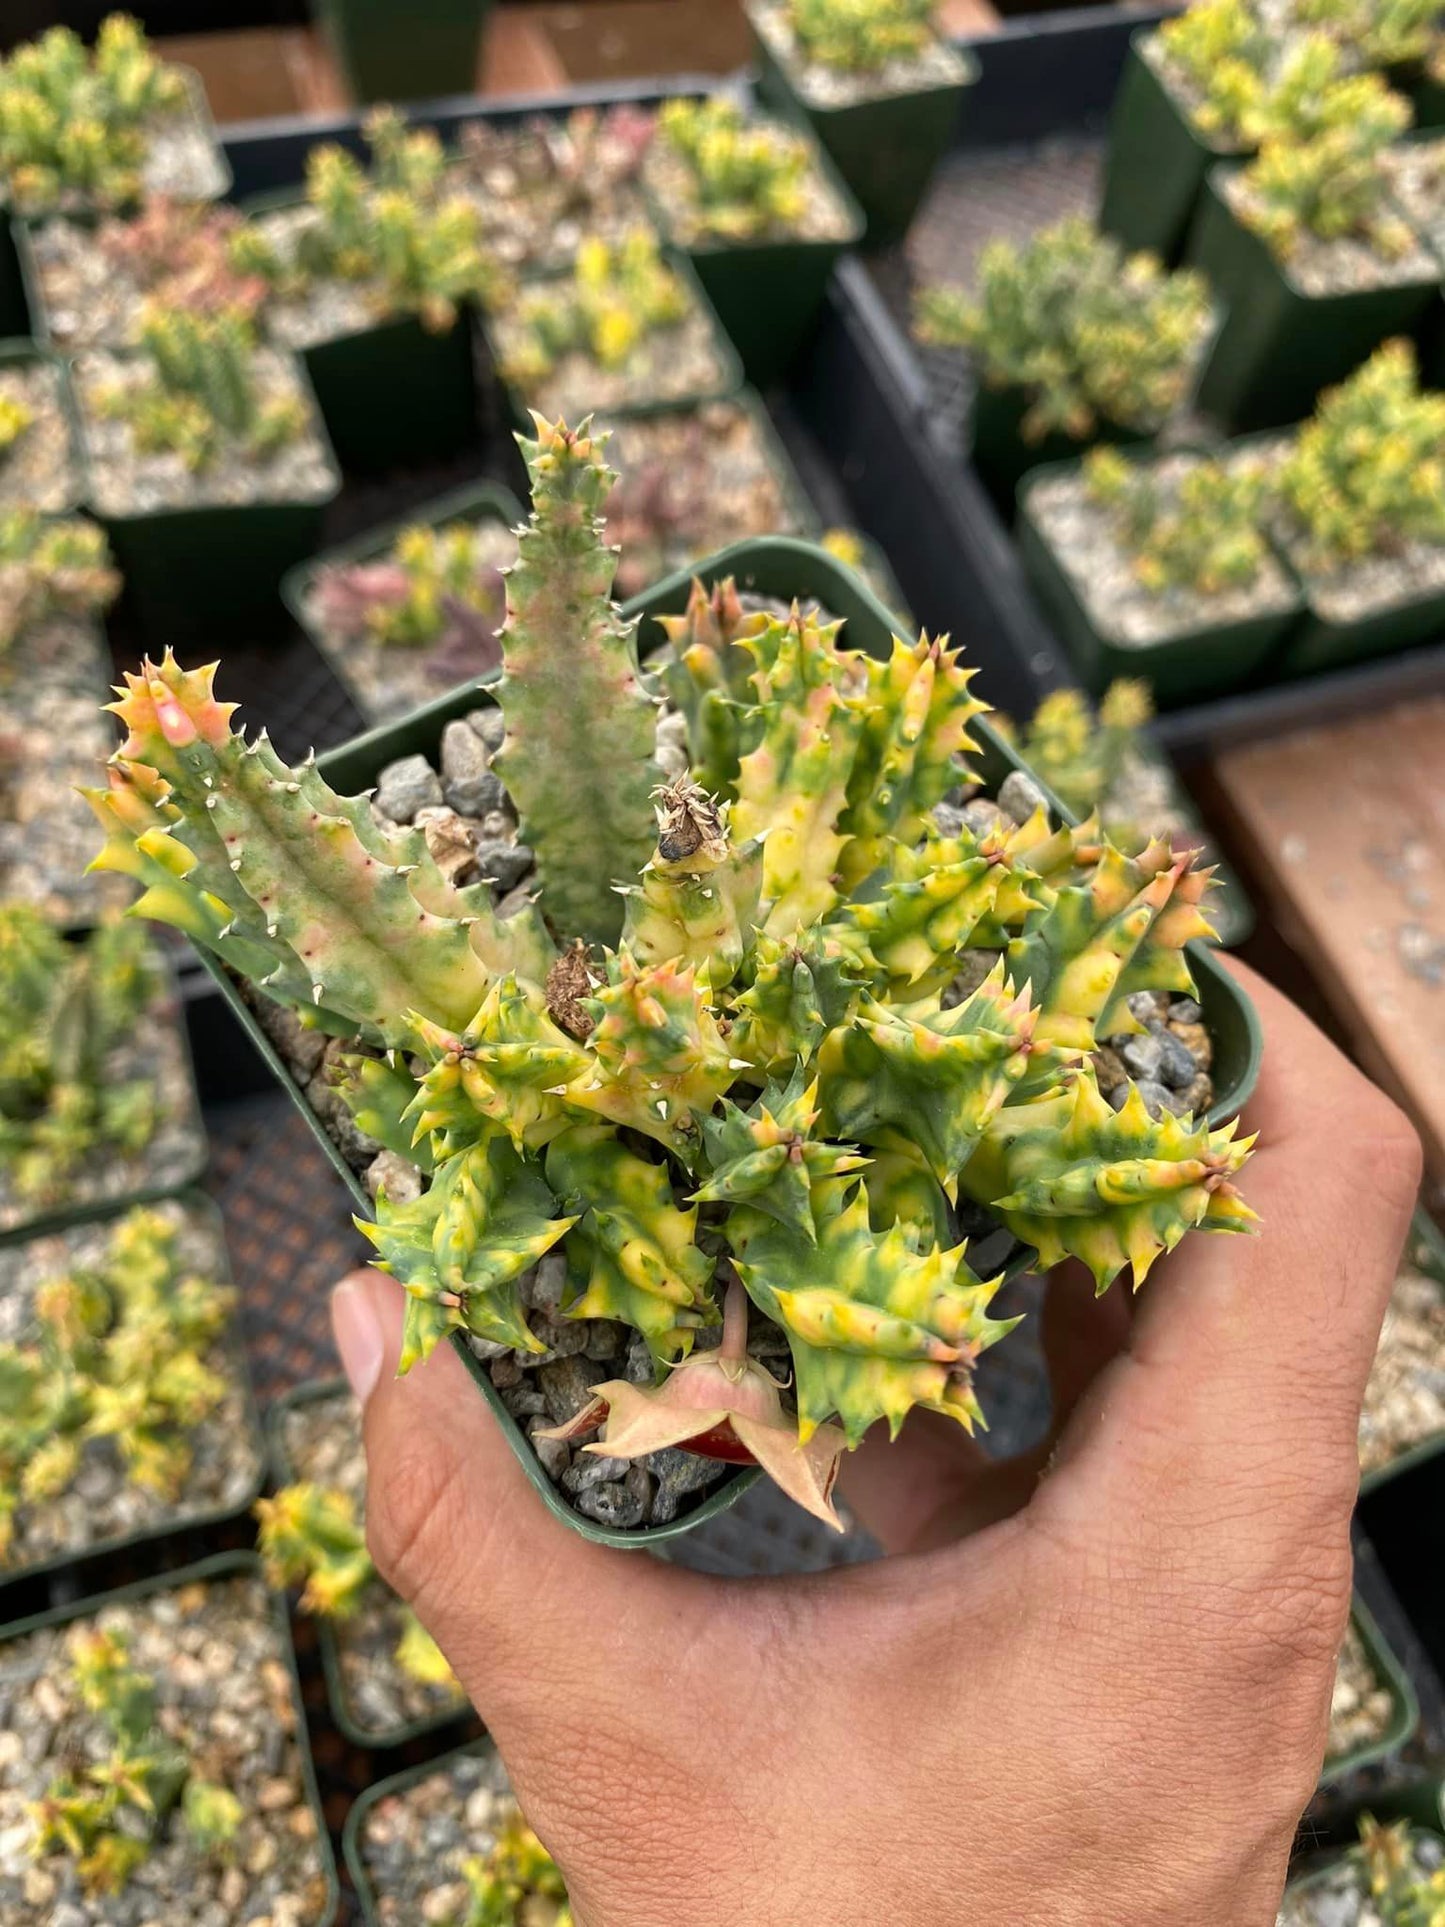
<point>1089,1699</point>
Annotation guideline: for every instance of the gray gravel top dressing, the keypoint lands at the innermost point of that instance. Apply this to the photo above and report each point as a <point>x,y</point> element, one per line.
<point>1405,1398</point>
<point>156,1049</point>
<point>935,65</point>
<point>1082,535</point>
<point>224,1690</point>
<point>413,1843</point>
<point>101,1504</point>
<point>39,470</point>
<point>667,364</point>
<point>1361,1706</point>
<point>330,309</point>
<point>1348,266</point>
<point>125,481</point>
<point>669,177</point>
<point>531,218</point>
<point>322,1443</point>
<point>1417,179</point>
<point>1185,92</point>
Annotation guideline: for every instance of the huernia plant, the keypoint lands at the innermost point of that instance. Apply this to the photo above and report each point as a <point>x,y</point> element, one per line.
<point>1203,533</point>
<point>17,418</point>
<point>118,1352</point>
<point>1079,753</point>
<point>51,567</point>
<point>1378,33</point>
<point>429,591</point>
<point>614,297</point>
<point>1224,53</point>
<point>179,254</point>
<point>1366,474</point>
<point>1091,335</point>
<point>1405,1894</point>
<point>860,36</point>
<point>108,1813</point>
<point>719,1057</point>
<point>516,1884</point>
<point>72,121</point>
<point>743,176</point>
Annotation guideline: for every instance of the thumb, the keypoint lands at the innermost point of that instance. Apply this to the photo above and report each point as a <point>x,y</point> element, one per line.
<point>453,1525</point>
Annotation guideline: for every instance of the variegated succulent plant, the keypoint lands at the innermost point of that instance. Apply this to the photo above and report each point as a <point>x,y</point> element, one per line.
<point>727,1059</point>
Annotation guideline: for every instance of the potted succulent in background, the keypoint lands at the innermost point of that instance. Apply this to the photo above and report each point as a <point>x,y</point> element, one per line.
<point>878,86</point>
<point>1310,256</point>
<point>1074,343</point>
<point>161,1760</point>
<point>1395,1877</point>
<point>127,1412</point>
<point>1360,514</point>
<point>762,216</point>
<point>543,185</point>
<point>820,919</point>
<point>372,278</point>
<point>207,464</point>
<point>97,1102</point>
<point>1373,1709</point>
<point>431,49</point>
<point>89,283</point>
<point>85,131</point>
<point>624,328</point>
<point>407,612</point>
<point>385,1677</point>
<point>1161,566</point>
<point>447,1842</point>
<point>55,579</point>
<point>695,480</point>
<point>1403,1418</point>
<point>39,462</point>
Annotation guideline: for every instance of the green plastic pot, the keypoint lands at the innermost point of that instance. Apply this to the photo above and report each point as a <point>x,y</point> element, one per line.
<point>887,149</point>
<point>1404,1707</point>
<point>58,1217</point>
<point>1426,1252</point>
<point>767,293</point>
<point>96,1553</point>
<point>1157,161</point>
<point>1193,666</point>
<point>227,1565</point>
<point>397,395</point>
<point>14,310</point>
<point>473,503</point>
<point>23,351</point>
<point>1320,644</point>
<point>1280,346</point>
<point>1003,457</point>
<point>351,1845</point>
<point>425,50</point>
<point>284,1472</point>
<point>214,566</point>
<point>730,371</point>
<point>781,567</point>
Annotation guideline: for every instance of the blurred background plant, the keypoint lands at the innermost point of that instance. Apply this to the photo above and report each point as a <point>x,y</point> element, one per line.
<point>50,567</point>
<point>1204,533</point>
<point>744,176</point>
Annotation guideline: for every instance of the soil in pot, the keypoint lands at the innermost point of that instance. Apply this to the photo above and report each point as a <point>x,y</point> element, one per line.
<point>542,186</point>
<point>157,1341</point>
<point>933,65</point>
<point>1405,1398</point>
<point>38,466</point>
<point>694,481</point>
<point>104,1112</point>
<point>424,1843</point>
<point>1416,170</point>
<point>703,210</point>
<point>320,1444</point>
<point>90,283</point>
<point>405,626</point>
<point>1361,1706</point>
<point>224,1695</point>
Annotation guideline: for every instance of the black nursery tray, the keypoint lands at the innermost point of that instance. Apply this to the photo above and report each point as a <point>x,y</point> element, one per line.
<point>1028,152</point>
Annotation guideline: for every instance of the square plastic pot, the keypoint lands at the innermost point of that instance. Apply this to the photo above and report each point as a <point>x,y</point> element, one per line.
<point>1279,346</point>
<point>1003,457</point>
<point>397,395</point>
<point>352,1851</point>
<point>1192,666</point>
<point>1321,644</point>
<point>227,1565</point>
<point>767,294</point>
<point>473,503</point>
<point>1404,1708</point>
<point>22,351</point>
<point>1426,1252</point>
<point>886,149</point>
<point>213,567</point>
<point>99,1557</point>
<point>14,309</point>
<point>284,1472</point>
<point>777,567</point>
<point>1157,161</point>
<point>424,51</point>
<point>730,369</point>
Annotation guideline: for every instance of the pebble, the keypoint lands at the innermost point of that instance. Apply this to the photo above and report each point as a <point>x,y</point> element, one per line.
<point>1157,1098</point>
<point>589,1469</point>
<point>679,1477</point>
<point>1019,796</point>
<point>1194,1037</point>
<point>554,1457</point>
<point>400,1176</point>
<point>542,1286</point>
<point>613,1505</point>
<point>983,815</point>
<point>467,781</point>
<point>566,1385</point>
<point>406,786</point>
<point>1143,1056</point>
<point>1177,1066</point>
<point>490,725</point>
<point>503,865</point>
<point>949,818</point>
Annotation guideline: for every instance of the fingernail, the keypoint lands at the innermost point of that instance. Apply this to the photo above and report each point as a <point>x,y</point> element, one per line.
<point>359,1337</point>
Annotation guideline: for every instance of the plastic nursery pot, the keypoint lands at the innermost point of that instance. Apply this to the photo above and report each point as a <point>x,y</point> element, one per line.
<point>886,148</point>
<point>75,1209</point>
<point>729,376</point>
<point>1003,457</point>
<point>1191,666</point>
<point>476,502</point>
<point>216,565</point>
<point>1279,346</point>
<point>424,51</point>
<point>1425,1250</point>
<point>284,1472</point>
<point>92,1558</point>
<point>1404,1708</point>
<point>21,352</point>
<point>767,292</point>
<point>353,1851</point>
<point>223,1566</point>
<point>14,310</point>
<point>1157,161</point>
<point>396,394</point>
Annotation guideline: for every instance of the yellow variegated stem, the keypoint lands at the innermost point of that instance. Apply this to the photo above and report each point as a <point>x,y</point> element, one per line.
<point>910,920</point>
<point>705,671</point>
<point>800,991</point>
<point>504,1069</point>
<point>769,1158</point>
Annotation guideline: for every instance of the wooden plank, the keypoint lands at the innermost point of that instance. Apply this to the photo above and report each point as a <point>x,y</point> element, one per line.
<point>1345,829</point>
